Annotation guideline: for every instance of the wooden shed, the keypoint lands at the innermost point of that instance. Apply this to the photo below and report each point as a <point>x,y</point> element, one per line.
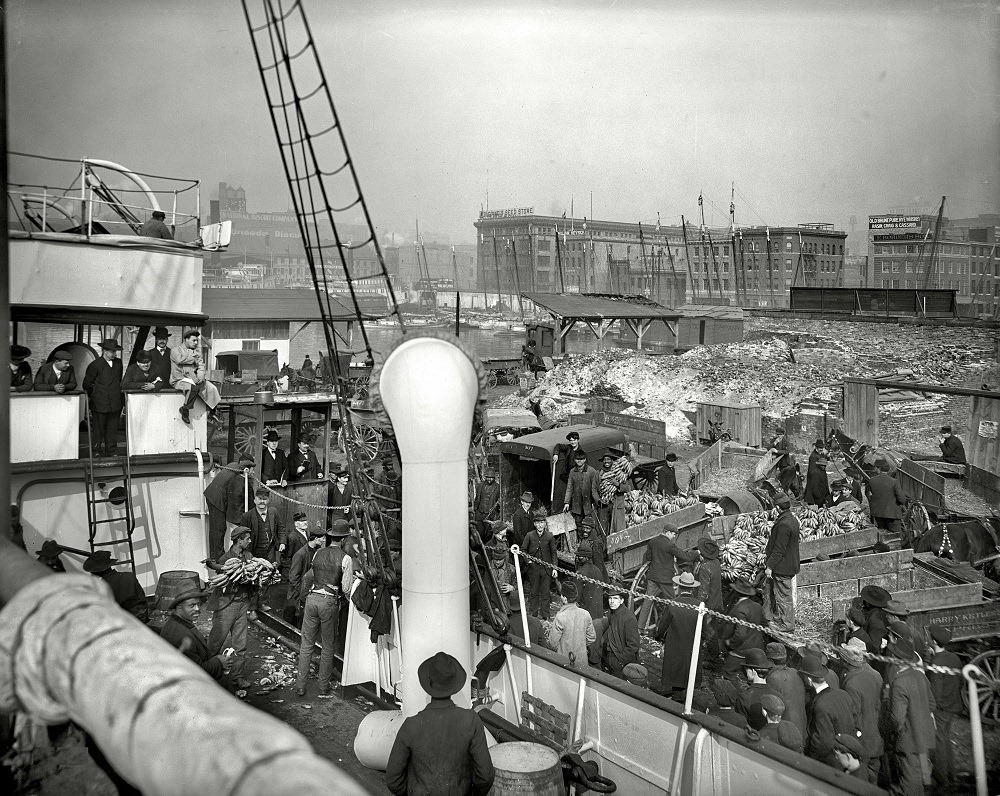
<point>699,324</point>
<point>741,421</point>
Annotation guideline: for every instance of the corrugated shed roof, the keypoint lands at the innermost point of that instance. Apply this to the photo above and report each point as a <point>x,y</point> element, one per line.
<point>591,307</point>
<point>283,304</point>
<point>711,311</point>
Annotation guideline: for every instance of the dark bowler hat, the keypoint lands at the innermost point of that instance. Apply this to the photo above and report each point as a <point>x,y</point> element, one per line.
<point>875,595</point>
<point>441,675</point>
<point>939,633</point>
<point>588,522</point>
<point>820,443</point>
<point>339,529</point>
<point>110,345</point>
<point>19,351</point>
<point>756,659</point>
<point>62,355</point>
<point>272,436</point>
<point>50,550</point>
<point>899,628</point>
<point>845,742</point>
<point>262,492</point>
<point>100,561</point>
<point>742,587</point>
<point>143,358</point>
<point>188,594</point>
<point>903,649</point>
<point>782,501</point>
<point>776,652</point>
<point>317,531</point>
<point>671,457</point>
<point>299,515</point>
<point>307,437</point>
<point>573,435</point>
<point>527,497</point>
<point>815,650</point>
<point>810,666</point>
<point>161,332</point>
<point>159,214</point>
<point>734,662</point>
<point>579,455</point>
<point>708,548</point>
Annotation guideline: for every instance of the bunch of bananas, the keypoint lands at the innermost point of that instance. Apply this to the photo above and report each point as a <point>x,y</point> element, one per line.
<point>742,557</point>
<point>641,506</point>
<point>257,572</point>
<point>815,523</point>
<point>615,477</point>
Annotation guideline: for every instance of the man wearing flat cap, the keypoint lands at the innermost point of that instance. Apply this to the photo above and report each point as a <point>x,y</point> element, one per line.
<point>103,384</point>
<point>443,748</point>
<point>180,631</point>
<point>562,463</point>
<point>952,449</point>
<point>911,737</point>
<point>855,620</point>
<point>487,500</point>
<point>57,375</point>
<point>832,712</point>
<point>947,691</point>
<point>777,729</point>
<point>738,637</point>
<point>20,370</point>
<point>583,488</point>
<point>124,586</point>
<point>787,684</point>
<point>864,685</point>
<point>187,374</point>
<point>662,553</point>
<point>781,564</point>
<point>154,227</point>
<point>849,754</point>
<point>159,357</point>
<point>726,699</point>
<point>542,545</point>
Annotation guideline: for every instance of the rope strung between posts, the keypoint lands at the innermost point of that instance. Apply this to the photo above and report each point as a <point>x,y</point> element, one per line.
<point>255,480</point>
<point>828,648</point>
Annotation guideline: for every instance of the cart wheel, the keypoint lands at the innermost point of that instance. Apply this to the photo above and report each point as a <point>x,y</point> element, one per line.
<point>492,380</point>
<point>989,686</point>
<point>367,440</point>
<point>362,387</point>
<point>637,596</point>
<point>246,440</point>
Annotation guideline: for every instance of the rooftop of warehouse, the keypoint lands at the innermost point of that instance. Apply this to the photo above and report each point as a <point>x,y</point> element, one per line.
<point>281,304</point>
<point>596,305</point>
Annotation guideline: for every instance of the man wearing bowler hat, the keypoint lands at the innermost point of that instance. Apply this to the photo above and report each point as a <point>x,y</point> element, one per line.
<point>180,631</point>
<point>159,356</point>
<point>273,462</point>
<point>911,737</point>
<point>302,463</point>
<point>947,691</point>
<point>187,374</point>
<point>709,573</point>
<point>57,375</point>
<point>781,564</point>
<point>522,520</point>
<point>103,384</point>
<point>666,478</point>
<point>832,712</point>
<point>20,370</point>
<point>139,375</point>
<point>873,600</point>
<point>49,555</point>
<point>443,748</point>
<point>301,565</point>
<point>756,665</point>
<point>735,637</point>
<point>321,614</point>
<point>542,545</point>
<point>864,685</point>
<point>124,586</point>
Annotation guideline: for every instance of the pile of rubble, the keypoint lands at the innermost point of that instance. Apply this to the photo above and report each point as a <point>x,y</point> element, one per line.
<point>779,365</point>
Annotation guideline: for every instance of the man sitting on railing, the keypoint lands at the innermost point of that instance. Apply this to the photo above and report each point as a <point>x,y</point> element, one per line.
<point>20,371</point>
<point>187,374</point>
<point>57,375</point>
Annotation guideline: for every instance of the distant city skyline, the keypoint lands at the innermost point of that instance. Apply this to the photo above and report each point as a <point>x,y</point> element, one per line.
<point>816,112</point>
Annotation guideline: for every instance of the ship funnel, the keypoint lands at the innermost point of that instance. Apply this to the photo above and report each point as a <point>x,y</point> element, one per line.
<point>429,386</point>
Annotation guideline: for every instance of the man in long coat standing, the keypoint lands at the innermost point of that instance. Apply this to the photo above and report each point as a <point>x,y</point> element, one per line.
<point>676,628</point>
<point>103,384</point>
<point>781,564</point>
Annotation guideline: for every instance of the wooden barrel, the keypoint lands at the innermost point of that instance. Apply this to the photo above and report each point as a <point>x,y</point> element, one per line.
<point>173,583</point>
<point>740,501</point>
<point>523,767</point>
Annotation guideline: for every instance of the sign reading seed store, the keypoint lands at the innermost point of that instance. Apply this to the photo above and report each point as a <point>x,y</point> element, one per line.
<point>893,222</point>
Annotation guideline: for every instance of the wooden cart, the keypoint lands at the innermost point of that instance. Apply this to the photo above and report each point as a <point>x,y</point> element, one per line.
<point>503,370</point>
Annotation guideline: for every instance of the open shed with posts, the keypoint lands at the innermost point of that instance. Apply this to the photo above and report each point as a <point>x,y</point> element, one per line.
<point>700,324</point>
<point>982,448</point>
<point>600,313</point>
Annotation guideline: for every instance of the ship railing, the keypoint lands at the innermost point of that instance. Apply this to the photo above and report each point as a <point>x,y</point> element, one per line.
<point>90,205</point>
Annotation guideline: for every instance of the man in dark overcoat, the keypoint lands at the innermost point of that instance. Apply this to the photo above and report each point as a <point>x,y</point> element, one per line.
<point>676,629</point>
<point>788,684</point>
<point>124,586</point>
<point>781,564</point>
<point>180,631</point>
<point>911,737</point>
<point>20,370</point>
<point>666,477</point>
<point>159,357</point>
<point>864,685</point>
<point>832,712</point>
<point>268,536</point>
<point>661,553</point>
<point>103,384</point>
<point>620,641</point>
<point>522,520</point>
<point>302,463</point>
<point>885,498</point>
<point>443,748</point>
<point>542,545</point>
<point>737,638</point>
<point>217,496</point>
<point>562,463</point>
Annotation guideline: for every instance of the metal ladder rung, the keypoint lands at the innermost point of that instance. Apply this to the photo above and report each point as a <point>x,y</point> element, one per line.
<point>106,500</point>
<point>113,519</point>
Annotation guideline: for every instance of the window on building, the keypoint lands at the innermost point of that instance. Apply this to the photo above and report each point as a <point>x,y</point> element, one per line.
<point>725,284</point>
<point>885,283</point>
<point>909,267</point>
<point>911,249</point>
<point>895,283</point>
<point>788,245</point>
<point>788,262</point>
<point>895,268</point>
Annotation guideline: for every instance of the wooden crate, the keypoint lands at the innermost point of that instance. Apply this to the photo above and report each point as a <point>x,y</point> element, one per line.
<point>626,548</point>
<point>920,484</point>
<point>830,546</point>
<point>742,421</point>
<point>845,577</point>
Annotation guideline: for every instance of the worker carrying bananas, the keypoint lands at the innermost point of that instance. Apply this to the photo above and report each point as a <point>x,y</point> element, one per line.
<point>230,621</point>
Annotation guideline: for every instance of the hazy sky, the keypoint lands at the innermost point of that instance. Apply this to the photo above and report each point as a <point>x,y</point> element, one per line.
<point>816,110</point>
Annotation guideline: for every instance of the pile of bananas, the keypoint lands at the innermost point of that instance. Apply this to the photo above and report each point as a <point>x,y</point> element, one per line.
<point>815,523</point>
<point>615,477</point>
<point>257,572</point>
<point>641,506</point>
<point>742,557</point>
